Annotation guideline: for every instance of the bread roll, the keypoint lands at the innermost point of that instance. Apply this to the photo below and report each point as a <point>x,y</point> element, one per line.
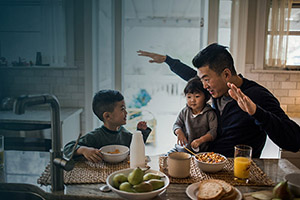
<point>210,190</point>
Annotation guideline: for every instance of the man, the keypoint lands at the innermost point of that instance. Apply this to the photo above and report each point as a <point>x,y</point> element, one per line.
<point>246,110</point>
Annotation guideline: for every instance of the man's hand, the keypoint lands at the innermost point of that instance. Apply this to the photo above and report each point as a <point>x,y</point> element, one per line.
<point>142,125</point>
<point>245,103</point>
<point>181,139</point>
<point>91,154</point>
<point>156,58</point>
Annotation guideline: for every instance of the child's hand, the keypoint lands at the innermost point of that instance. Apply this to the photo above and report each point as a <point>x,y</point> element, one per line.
<point>195,144</point>
<point>91,154</point>
<point>181,139</point>
<point>142,125</point>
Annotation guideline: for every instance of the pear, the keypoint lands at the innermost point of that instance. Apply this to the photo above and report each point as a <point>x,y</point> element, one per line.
<point>282,191</point>
<point>127,187</point>
<point>136,176</point>
<point>150,176</point>
<point>118,179</point>
<point>156,184</point>
<point>143,187</point>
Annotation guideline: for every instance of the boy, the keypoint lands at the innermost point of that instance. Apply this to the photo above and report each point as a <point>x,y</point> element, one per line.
<point>109,107</point>
<point>196,124</point>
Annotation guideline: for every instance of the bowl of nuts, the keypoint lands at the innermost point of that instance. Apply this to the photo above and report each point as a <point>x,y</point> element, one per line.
<point>210,162</point>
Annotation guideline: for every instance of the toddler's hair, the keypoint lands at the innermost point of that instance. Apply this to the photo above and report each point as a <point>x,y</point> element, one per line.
<point>195,85</point>
<point>104,101</point>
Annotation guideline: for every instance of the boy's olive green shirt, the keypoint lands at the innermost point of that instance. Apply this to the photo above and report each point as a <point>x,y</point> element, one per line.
<point>102,136</point>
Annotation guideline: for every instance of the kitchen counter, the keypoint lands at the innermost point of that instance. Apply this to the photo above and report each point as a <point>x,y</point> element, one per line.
<point>36,116</point>
<point>40,117</point>
<point>24,168</point>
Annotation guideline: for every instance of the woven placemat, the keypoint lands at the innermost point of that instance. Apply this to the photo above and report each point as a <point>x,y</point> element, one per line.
<point>257,176</point>
<point>85,172</point>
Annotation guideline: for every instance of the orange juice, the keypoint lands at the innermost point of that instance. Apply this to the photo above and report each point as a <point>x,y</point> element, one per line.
<point>242,167</point>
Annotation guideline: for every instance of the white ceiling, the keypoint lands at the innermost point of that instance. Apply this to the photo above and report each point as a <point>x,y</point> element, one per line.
<point>171,12</point>
<point>162,9</point>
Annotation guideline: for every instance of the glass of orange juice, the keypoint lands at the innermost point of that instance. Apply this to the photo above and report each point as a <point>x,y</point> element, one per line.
<point>242,162</point>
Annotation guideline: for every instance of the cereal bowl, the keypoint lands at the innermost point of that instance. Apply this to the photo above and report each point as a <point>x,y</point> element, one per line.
<point>114,153</point>
<point>210,162</point>
<point>133,196</point>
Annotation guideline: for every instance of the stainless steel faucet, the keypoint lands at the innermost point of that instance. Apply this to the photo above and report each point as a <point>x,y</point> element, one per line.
<point>57,162</point>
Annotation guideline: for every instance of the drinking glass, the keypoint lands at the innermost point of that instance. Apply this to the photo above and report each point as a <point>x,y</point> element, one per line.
<point>242,162</point>
<point>1,151</point>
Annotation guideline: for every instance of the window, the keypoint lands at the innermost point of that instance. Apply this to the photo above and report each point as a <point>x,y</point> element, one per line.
<point>293,53</point>
<point>283,36</point>
<point>224,27</point>
<point>152,92</point>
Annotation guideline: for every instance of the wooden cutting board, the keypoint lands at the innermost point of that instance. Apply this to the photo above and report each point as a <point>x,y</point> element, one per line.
<point>265,194</point>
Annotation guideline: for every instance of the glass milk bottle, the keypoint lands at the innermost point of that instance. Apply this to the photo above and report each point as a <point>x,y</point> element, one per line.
<point>137,150</point>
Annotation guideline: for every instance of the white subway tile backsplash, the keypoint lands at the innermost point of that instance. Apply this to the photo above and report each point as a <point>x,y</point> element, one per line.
<point>266,77</point>
<point>70,73</point>
<point>294,93</point>
<point>252,76</point>
<point>56,73</point>
<point>76,96</point>
<point>281,77</point>
<point>287,100</point>
<point>71,88</point>
<point>293,108</point>
<point>289,85</point>
<point>295,77</point>
<point>281,93</point>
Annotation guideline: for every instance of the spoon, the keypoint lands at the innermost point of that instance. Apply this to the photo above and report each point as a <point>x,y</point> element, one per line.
<point>192,153</point>
<point>105,188</point>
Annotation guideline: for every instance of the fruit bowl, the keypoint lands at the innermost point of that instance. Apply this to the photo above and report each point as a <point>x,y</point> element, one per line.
<point>144,195</point>
<point>294,183</point>
<point>114,153</point>
<point>211,167</point>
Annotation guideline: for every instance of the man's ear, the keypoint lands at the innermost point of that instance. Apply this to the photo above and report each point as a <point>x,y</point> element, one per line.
<point>227,74</point>
<point>106,115</point>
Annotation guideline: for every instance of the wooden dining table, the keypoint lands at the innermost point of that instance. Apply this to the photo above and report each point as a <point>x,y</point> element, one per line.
<point>275,169</point>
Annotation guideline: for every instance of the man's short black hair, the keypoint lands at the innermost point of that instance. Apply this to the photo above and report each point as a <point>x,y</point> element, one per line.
<point>216,57</point>
<point>104,101</point>
<point>195,85</point>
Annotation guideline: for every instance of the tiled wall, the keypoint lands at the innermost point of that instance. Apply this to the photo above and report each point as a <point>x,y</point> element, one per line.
<point>285,86</point>
<point>66,84</point>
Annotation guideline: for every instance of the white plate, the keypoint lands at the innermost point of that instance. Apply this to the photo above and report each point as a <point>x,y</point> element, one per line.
<point>192,191</point>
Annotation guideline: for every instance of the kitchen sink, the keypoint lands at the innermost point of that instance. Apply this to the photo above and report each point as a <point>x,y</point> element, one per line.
<point>21,191</point>
<point>20,195</point>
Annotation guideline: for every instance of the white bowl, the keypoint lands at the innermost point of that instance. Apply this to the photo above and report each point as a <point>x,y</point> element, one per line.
<point>133,196</point>
<point>210,167</point>
<point>293,183</point>
<point>114,158</point>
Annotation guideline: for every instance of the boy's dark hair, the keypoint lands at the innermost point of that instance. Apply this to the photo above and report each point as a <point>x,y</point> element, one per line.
<point>104,101</point>
<point>195,85</point>
<point>216,57</point>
